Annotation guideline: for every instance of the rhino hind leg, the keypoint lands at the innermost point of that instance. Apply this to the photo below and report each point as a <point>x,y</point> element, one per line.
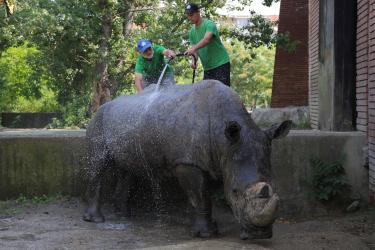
<point>122,193</point>
<point>194,183</point>
<point>98,164</point>
<point>93,213</point>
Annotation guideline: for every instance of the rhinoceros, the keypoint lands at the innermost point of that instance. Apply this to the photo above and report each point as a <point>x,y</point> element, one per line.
<point>195,133</point>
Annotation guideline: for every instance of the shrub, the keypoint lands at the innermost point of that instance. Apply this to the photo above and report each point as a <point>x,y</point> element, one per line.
<point>328,180</point>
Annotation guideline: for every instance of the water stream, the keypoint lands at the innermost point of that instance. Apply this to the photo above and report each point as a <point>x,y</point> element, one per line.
<point>161,77</point>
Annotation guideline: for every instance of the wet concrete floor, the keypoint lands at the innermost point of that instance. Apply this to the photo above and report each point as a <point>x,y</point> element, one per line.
<point>58,225</point>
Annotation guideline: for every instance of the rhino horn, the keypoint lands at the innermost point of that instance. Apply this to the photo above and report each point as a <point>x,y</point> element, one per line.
<point>262,204</point>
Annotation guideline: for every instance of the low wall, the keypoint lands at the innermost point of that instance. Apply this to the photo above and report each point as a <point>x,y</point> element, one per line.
<point>35,162</point>
<point>291,166</point>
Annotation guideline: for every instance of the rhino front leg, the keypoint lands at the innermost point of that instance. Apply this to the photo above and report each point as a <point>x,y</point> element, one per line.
<point>122,192</point>
<point>194,182</point>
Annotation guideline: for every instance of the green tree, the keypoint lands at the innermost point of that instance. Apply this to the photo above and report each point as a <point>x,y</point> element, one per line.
<point>23,83</point>
<point>252,73</point>
<point>87,48</point>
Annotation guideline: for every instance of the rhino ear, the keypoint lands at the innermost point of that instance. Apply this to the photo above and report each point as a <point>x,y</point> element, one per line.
<point>233,131</point>
<point>279,130</point>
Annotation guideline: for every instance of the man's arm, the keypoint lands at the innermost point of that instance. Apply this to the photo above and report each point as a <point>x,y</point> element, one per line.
<point>138,82</point>
<point>205,40</point>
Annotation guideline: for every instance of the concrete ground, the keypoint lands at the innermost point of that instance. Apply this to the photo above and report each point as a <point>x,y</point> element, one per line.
<point>57,224</point>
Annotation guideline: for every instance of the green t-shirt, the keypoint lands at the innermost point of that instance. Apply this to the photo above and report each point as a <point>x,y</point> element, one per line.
<point>154,66</point>
<point>214,53</point>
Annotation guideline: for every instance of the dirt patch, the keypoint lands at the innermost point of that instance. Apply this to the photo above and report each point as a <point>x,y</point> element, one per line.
<point>58,225</point>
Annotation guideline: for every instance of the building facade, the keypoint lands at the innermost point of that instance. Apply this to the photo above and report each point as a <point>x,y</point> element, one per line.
<point>341,75</point>
<point>365,80</point>
<point>338,83</point>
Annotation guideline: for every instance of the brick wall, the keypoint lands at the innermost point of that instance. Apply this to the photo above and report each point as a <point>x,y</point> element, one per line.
<point>365,74</point>
<point>290,81</point>
<point>362,65</point>
<point>370,24</point>
<point>365,80</point>
<point>314,62</point>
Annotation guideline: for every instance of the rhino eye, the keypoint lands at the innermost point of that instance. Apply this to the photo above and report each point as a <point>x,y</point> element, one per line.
<point>233,131</point>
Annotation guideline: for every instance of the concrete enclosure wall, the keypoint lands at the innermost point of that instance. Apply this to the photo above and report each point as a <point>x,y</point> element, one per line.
<point>41,162</point>
<point>291,165</point>
<point>49,162</point>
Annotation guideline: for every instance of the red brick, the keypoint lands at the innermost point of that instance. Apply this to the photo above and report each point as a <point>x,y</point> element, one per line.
<point>290,81</point>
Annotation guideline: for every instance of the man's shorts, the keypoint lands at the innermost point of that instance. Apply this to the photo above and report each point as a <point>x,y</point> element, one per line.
<point>221,73</point>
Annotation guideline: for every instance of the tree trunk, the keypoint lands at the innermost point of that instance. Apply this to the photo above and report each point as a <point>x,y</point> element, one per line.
<point>127,18</point>
<point>102,87</point>
<point>9,6</point>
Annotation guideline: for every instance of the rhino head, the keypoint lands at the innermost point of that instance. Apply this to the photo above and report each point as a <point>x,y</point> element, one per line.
<point>247,176</point>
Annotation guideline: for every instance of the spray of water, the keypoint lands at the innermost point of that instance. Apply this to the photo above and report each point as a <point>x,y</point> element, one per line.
<point>161,77</point>
<point>115,140</point>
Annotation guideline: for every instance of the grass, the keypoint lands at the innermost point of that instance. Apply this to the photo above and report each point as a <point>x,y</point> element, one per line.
<point>305,124</point>
<point>14,207</point>
<point>8,208</point>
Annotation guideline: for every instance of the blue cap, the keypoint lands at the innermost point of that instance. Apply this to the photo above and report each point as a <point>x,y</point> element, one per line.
<point>191,8</point>
<point>143,44</point>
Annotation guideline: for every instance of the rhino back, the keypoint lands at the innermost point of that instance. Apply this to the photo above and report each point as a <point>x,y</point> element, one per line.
<point>177,124</point>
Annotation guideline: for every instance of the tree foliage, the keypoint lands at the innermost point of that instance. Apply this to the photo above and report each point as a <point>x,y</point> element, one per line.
<point>62,45</point>
<point>251,73</point>
<point>23,81</point>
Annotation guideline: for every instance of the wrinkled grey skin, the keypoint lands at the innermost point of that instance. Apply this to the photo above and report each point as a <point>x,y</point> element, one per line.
<point>194,132</point>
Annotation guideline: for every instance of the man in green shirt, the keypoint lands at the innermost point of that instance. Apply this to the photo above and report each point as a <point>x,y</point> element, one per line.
<point>205,40</point>
<point>150,64</point>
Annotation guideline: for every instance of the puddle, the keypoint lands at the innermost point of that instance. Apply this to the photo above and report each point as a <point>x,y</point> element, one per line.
<point>114,226</point>
<point>4,225</point>
<point>27,237</point>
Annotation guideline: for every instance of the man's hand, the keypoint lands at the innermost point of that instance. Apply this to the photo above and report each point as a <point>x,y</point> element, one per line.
<point>193,65</point>
<point>169,53</point>
<point>191,51</point>
<point>194,61</point>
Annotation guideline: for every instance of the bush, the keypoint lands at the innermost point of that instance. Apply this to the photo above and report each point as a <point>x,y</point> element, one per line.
<point>328,180</point>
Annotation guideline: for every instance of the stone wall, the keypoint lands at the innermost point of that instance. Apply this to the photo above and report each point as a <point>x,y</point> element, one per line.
<point>266,117</point>
<point>49,162</point>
